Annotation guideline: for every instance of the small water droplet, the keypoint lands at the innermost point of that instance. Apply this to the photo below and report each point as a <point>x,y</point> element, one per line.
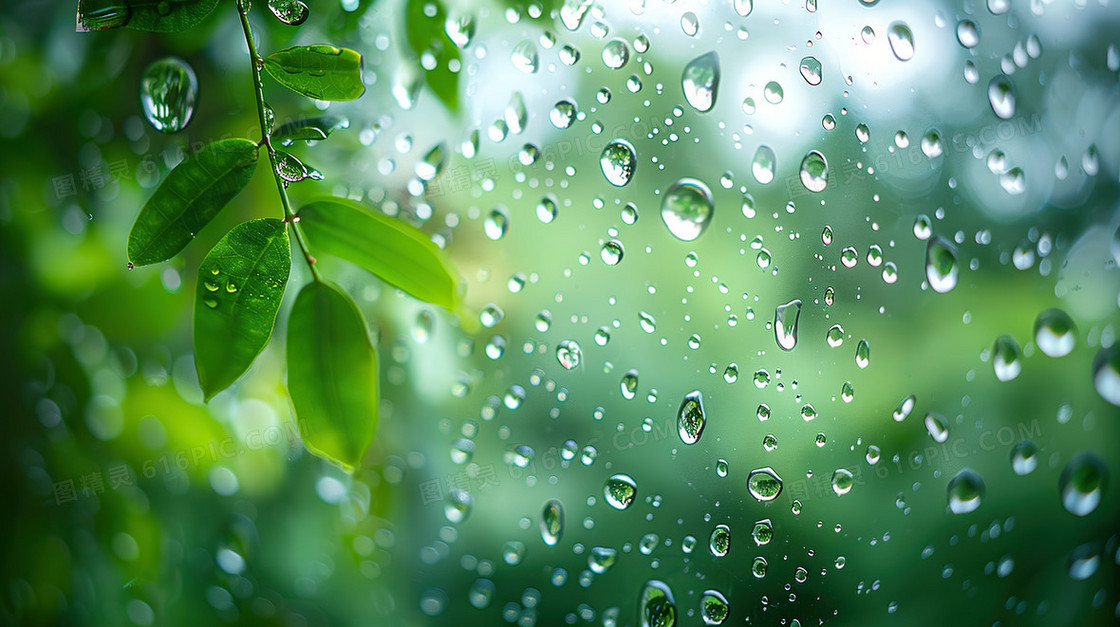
<point>525,56</point>
<point>629,385</point>
<point>458,506</point>
<point>563,114</point>
<point>863,353</point>
<point>1106,373</point>
<point>713,608</point>
<point>811,70</point>
<point>1024,457</point>
<point>937,426</point>
<point>842,481</point>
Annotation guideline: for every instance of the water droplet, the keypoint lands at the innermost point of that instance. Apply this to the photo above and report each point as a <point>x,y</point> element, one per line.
<point>629,385</point>
<point>1106,373</point>
<point>291,12</point>
<point>731,373</point>
<point>546,209</point>
<point>481,593</point>
<point>290,168</point>
<point>763,412</point>
<point>773,92</point>
<point>785,324</point>
<point>923,228</point>
<point>758,567</point>
<point>210,302</point>
<point>700,81</point>
<point>615,54</point>
<point>764,484</point>
<point>931,144</point>
<point>168,94</point>
<point>568,354</point>
<point>842,481</point>
<point>646,322</point>
<point>612,252</point>
<point>720,542</point>
<point>460,29</point>
<point>1082,483</point>
<point>743,7</point>
<point>686,208</point>
<point>811,70</point>
<point>432,163</point>
<point>619,491</point>
<point>901,41</point>
<point>713,608</point>
<point>525,56</point>
<point>904,408</point>
<point>691,418</point>
<point>496,224</point>
<point>942,270</point>
<point>618,161</point>
<point>1084,561</point>
<point>458,506</point>
<point>552,522</point>
<point>562,114</point>
<point>863,134</point>
<point>721,468</point>
<point>655,605</point>
<point>462,450</point>
<point>835,336</point>
<point>572,13</point>
<point>1055,333</point>
<point>513,552</point>
<point>1001,95</point>
<point>937,426</point>
<point>965,491</point>
<point>1006,358</point>
<point>690,24</point>
<point>763,532</point>
<point>1024,457</point>
<point>814,171</point>
<point>968,34</point>
<point>762,166</point>
<point>863,353</point>
<point>601,559</point>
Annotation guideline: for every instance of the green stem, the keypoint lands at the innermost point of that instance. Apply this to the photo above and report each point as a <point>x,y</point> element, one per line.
<point>258,91</point>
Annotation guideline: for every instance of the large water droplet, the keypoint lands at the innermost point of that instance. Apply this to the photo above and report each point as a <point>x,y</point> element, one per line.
<point>618,161</point>
<point>108,15</point>
<point>968,34</point>
<point>762,166</point>
<point>615,54</point>
<point>965,491</point>
<point>937,426</point>
<point>568,354</point>
<point>764,484</point>
<point>713,608</point>
<point>763,532</point>
<point>1083,483</point>
<point>904,408</point>
<point>525,56</point>
<point>1055,333</point>
<point>814,171</point>
<point>942,270</point>
<point>1106,373</point>
<point>1084,561</point>
<point>1024,457</point>
<point>291,12</point>
<point>720,541</point>
<point>655,605</point>
<point>601,559</point>
<point>458,506</point>
<point>168,94</point>
<point>691,418</point>
<point>743,7</point>
<point>1001,95</point>
<point>562,114</point>
<point>842,481</point>
<point>811,70</point>
<point>1006,358</point>
<point>572,13</point>
<point>552,522</point>
<point>290,168</point>
<point>481,593</point>
<point>460,29</point>
<point>901,40</point>
<point>785,324</point>
<point>432,163</point>
<point>686,208</point>
<point>700,81</point>
<point>619,491</point>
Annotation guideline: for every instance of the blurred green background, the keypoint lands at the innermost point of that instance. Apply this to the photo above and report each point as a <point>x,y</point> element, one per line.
<point>133,502</point>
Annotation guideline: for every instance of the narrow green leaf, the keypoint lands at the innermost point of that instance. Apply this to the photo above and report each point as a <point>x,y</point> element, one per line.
<point>308,129</point>
<point>191,195</point>
<point>161,16</point>
<point>425,33</point>
<point>322,72</point>
<point>240,285</point>
<point>332,375</point>
<point>399,253</point>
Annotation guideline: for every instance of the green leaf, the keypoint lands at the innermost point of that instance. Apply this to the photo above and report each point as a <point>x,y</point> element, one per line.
<point>240,285</point>
<point>322,72</point>
<point>161,16</point>
<point>308,129</point>
<point>191,195</point>
<point>332,375</point>
<point>399,253</point>
<point>426,33</point>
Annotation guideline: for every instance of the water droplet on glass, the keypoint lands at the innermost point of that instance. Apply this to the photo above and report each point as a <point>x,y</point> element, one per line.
<point>552,522</point>
<point>842,481</point>
<point>743,7</point>
<point>646,322</point>
<point>601,559</point>
<point>562,114</point>
<point>901,41</point>
<point>773,92</point>
<point>572,13</point>
<point>758,567</point>
<point>1001,95</point>
<point>619,491</point>
<point>814,171</point>
<point>863,353</point>
<point>690,24</point>
<point>513,552</point>
<point>546,209</point>
<point>1055,333</point>
<point>612,252</point>
<point>700,81</point>
<point>937,426</point>
<point>525,56</point>
<point>931,144</point>
<point>686,208</point>
<point>785,324</point>
<point>1106,373</point>
<point>965,490</point>
<point>762,166</point>
<point>291,12</point>
<point>656,607</point>
<point>721,468</point>
<point>763,532</point>
<point>764,484</point>
<point>1083,483</point>
<point>496,224</point>
<point>168,94</point>
<point>713,608</point>
<point>629,384</point>
<point>568,354</point>
<point>618,161</point>
<point>290,168</point>
<point>481,593</point>
<point>811,70</point>
<point>615,54</point>
<point>691,418</point>
<point>1084,561</point>
<point>968,34</point>
<point>458,506</point>
<point>942,270</point>
<point>904,408</point>
<point>1024,457</point>
<point>460,29</point>
<point>1006,358</point>
<point>720,542</point>
<point>923,228</point>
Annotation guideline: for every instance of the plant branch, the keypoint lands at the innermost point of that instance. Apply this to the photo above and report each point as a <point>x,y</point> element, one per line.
<point>281,186</point>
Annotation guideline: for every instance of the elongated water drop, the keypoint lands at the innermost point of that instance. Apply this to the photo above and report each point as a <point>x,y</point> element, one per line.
<point>1106,373</point>
<point>763,532</point>
<point>863,353</point>
<point>762,166</point>
<point>616,54</point>
<point>814,171</point>
<point>785,324</point>
<point>901,41</point>
<point>686,208</point>
<point>842,481</point>
<point>618,161</point>
<point>1024,457</point>
<point>619,491</point>
<point>965,491</point>
<point>291,12</point>
<point>811,70</point>
<point>764,484</point>
<point>629,384</point>
<point>168,94</point>
<point>552,522</point>
<point>1001,95</point>
<point>458,506</point>
<point>432,163</point>
<point>720,541</point>
<point>656,607</point>
<point>713,607</point>
<point>1083,483</point>
<point>700,81</point>
<point>1055,333</point>
<point>460,29</point>
<point>691,418</point>
<point>942,270</point>
<point>101,15</point>
<point>525,56</point>
<point>1006,358</point>
<point>290,168</point>
<point>937,426</point>
<point>572,13</point>
<point>904,408</point>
